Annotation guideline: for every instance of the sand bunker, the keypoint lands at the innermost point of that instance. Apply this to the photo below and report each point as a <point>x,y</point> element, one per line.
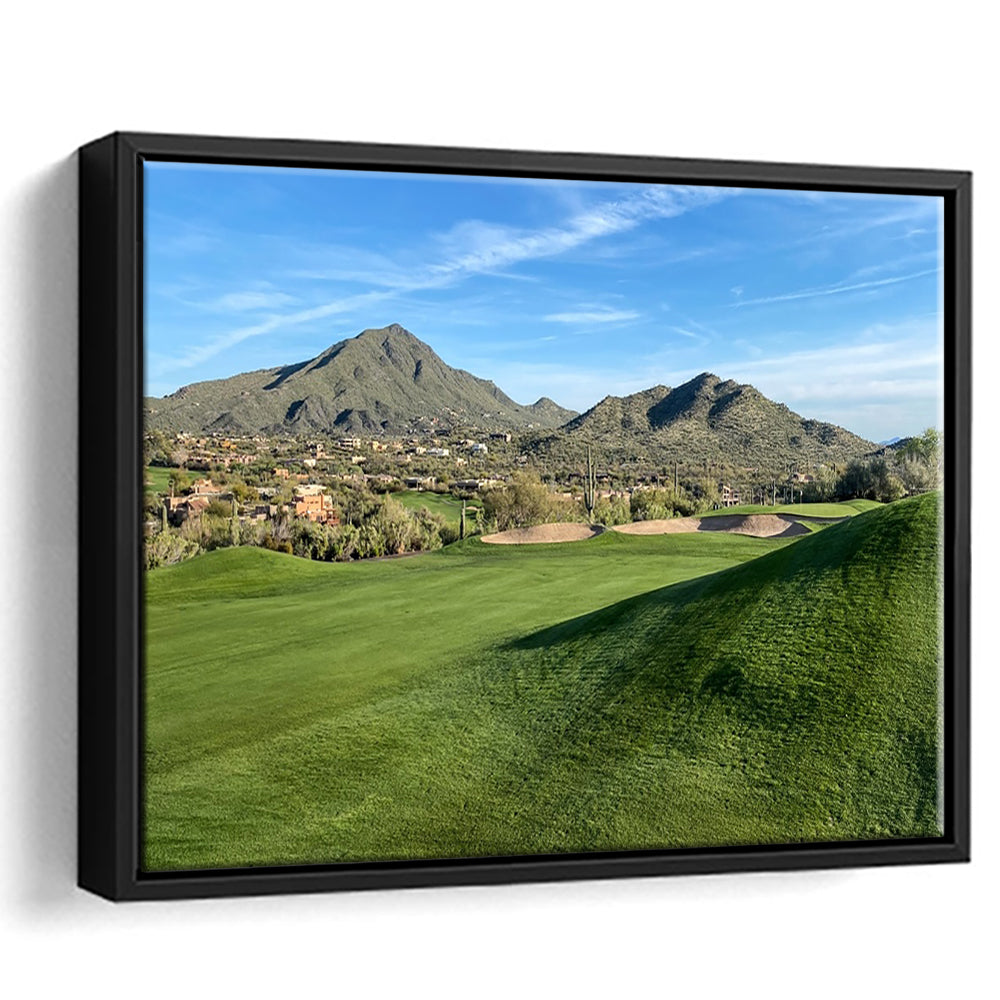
<point>758,525</point>
<point>672,526</point>
<point>543,533</point>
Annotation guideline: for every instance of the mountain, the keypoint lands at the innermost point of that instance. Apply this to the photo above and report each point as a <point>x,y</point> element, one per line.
<point>383,381</point>
<point>703,419</point>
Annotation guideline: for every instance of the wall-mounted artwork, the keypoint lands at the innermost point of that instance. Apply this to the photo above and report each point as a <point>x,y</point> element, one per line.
<point>488,516</point>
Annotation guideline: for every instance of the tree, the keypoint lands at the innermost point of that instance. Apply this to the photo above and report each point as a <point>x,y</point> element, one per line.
<point>178,480</point>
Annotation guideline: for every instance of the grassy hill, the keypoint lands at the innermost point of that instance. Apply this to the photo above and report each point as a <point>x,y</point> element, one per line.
<point>624,692</point>
<point>702,420</point>
<point>382,381</point>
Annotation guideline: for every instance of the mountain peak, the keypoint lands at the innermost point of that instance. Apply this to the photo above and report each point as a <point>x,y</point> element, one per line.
<point>383,381</point>
<point>708,419</point>
<point>392,330</point>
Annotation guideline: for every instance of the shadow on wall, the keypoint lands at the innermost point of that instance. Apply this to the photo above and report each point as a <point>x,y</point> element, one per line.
<point>45,313</point>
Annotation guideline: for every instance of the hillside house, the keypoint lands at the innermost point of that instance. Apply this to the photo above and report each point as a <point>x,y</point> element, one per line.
<point>471,485</point>
<point>180,509</point>
<point>729,496</point>
<point>262,512</point>
<point>205,487</point>
<point>311,502</point>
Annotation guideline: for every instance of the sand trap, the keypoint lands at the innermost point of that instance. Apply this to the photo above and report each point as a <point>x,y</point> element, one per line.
<point>542,533</point>
<point>672,526</point>
<point>758,525</point>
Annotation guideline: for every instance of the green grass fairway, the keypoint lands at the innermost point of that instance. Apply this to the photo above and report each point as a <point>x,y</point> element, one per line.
<point>437,503</point>
<point>847,509</point>
<point>157,478</point>
<point>622,692</point>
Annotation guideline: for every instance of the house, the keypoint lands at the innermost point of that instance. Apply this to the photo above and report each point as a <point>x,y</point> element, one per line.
<point>478,448</point>
<point>205,487</point>
<point>470,485</point>
<point>728,496</point>
<point>262,512</point>
<point>180,509</point>
<point>349,443</point>
<point>501,436</point>
<point>311,502</point>
<point>420,482</point>
<point>279,473</point>
<point>438,452</point>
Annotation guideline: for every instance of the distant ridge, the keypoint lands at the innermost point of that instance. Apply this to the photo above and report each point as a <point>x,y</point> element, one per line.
<point>705,419</point>
<point>383,381</point>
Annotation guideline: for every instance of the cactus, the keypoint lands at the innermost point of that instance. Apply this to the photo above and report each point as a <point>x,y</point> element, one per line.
<point>461,524</point>
<point>163,517</point>
<point>590,486</point>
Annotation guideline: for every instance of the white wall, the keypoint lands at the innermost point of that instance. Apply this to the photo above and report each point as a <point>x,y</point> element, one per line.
<point>873,83</point>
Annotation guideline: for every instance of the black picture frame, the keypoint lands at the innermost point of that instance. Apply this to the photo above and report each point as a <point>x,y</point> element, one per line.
<point>110,604</point>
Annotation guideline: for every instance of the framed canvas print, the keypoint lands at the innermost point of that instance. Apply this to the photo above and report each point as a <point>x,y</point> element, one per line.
<point>480,516</point>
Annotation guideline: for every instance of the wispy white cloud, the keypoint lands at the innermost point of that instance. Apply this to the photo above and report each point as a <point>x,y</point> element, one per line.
<point>894,265</point>
<point>250,301</point>
<point>595,316</point>
<point>883,380</point>
<point>478,248</point>
<point>205,352</point>
<point>858,222</point>
<point>837,289</point>
<point>491,247</point>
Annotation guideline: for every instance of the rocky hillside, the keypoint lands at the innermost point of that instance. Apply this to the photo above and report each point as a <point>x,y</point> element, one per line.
<point>382,381</point>
<point>705,419</point>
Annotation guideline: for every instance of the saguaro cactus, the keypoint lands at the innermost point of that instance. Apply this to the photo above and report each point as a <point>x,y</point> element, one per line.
<point>590,486</point>
<point>461,524</point>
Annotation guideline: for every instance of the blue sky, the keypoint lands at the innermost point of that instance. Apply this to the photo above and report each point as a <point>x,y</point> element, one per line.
<point>828,302</point>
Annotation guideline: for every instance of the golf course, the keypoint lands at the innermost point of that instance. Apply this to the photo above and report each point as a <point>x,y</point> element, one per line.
<point>620,692</point>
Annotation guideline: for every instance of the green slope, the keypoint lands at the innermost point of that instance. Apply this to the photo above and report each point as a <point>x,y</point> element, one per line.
<point>485,700</point>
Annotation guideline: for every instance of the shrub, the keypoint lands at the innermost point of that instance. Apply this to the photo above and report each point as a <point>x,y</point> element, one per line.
<point>168,547</point>
<point>522,502</point>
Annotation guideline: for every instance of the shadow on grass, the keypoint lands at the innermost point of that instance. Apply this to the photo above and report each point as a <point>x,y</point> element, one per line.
<point>814,555</point>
